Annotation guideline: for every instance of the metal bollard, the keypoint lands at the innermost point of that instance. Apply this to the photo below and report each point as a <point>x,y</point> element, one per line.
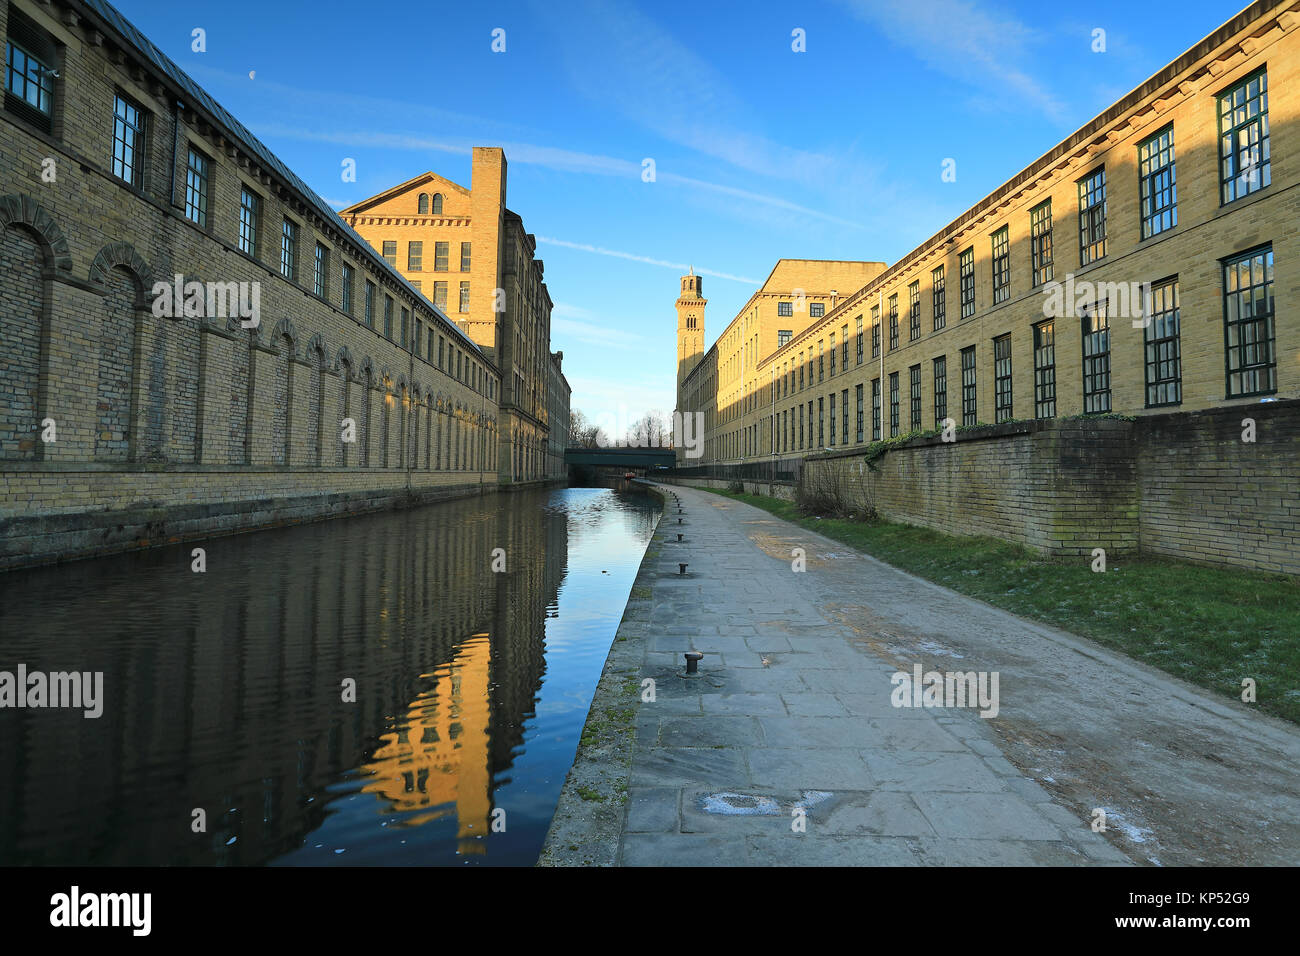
<point>693,661</point>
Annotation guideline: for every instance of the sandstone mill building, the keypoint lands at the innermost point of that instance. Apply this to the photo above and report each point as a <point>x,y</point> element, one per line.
<point>287,370</point>
<point>1145,268</point>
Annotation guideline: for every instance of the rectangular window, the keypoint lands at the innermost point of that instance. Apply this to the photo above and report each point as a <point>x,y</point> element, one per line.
<point>893,322</point>
<point>388,317</point>
<point>914,397</point>
<point>859,339</point>
<point>419,335</point>
<point>348,276</point>
<point>800,418</point>
<point>966,281</point>
<point>821,362</point>
<point>1045,370</point>
<point>440,256</point>
<point>441,350</point>
<point>1243,138</point>
<point>969,409</point>
<point>832,353</point>
<point>875,409</point>
<point>1001,265</point>
<point>914,311</point>
<point>858,396</point>
<point>844,415</point>
<point>29,78</point>
<point>940,390</point>
<point>1002,378</point>
<point>893,404</point>
<point>937,296</point>
<point>464,297</point>
<point>464,257</point>
<point>414,256</point>
<point>415,284</point>
<point>197,171</point>
<point>1040,242</point>
<point>1158,188</point>
<point>821,423</point>
<point>289,250</point>
<point>1096,359</point>
<point>128,139</point>
<point>844,346</point>
<point>1092,217</point>
<point>406,323</point>
<point>390,252</point>
<point>810,425</point>
<point>370,303</point>
<point>250,221</point>
<point>440,295</point>
<point>321,271</point>
<point>875,331</point>
<point>785,308</point>
<point>783,337</point>
<point>1248,324</point>
<point>1163,359</point>
<point>832,418</point>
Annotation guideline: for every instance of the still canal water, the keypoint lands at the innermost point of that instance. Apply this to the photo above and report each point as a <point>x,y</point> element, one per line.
<point>224,690</point>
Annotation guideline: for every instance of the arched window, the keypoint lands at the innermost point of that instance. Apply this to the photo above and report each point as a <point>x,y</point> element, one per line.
<point>437,204</point>
<point>423,204</point>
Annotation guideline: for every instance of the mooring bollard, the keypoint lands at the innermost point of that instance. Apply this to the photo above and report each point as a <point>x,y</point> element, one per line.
<point>682,569</point>
<point>693,661</point>
<point>679,520</point>
<point>679,537</point>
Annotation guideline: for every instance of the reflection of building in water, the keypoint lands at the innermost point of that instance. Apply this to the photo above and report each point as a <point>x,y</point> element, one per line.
<point>437,758</point>
<point>232,685</point>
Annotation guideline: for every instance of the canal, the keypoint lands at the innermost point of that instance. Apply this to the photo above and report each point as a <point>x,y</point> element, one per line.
<point>365,691</point>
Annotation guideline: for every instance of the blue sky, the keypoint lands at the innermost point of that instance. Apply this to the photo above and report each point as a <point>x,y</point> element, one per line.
<point>760,152</point>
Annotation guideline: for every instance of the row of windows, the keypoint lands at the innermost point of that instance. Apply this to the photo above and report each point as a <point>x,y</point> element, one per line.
<point>1250,364</point>
<point>415,255</point>
<point>815,309</point>
<point>1245,167</point>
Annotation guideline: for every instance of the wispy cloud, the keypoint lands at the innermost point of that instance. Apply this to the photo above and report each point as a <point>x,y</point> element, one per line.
<point>631,257</point>
<point>572,323</point>
<point>980,48</point>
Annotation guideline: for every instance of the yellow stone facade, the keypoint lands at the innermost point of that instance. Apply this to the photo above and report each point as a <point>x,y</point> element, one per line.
<point>469,254</point>
<point>1226,232</point>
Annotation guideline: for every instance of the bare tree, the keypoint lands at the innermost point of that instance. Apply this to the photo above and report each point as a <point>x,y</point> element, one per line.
<point>650,430</point>
<point>583,433</point>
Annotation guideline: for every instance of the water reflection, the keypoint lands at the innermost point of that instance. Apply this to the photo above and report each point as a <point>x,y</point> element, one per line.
<point>226,691</point>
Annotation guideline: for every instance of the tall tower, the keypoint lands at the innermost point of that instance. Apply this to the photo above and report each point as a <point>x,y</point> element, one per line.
<point>690,329</point>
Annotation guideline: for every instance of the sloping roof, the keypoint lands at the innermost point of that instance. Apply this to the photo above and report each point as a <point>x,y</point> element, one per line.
<point>400,188</point>
<point>199,97</point>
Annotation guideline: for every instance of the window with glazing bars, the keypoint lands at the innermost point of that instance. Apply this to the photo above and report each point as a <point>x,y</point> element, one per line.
<point>370,304</point>
<point>388,317</point>
<point>1248,324</point>
<point>844,346</point>
<point>940,390</point>
<point>1161,339</point>
<point>816,310</point>
<point>348,274</point>
<point>914,397</point>
<point>1096,359</point>
<point>30,78</point>
<point>1157,185</point>
<point>785,308</point>
<point>1040,242</point>
<point>893,404</point>
<point>821,423</point>
<point>197,170</point>
<point>875,409</point>
<point>128,138</point>
<point>250,221</point>
<point>464,257</point>
<point>844,414</point>
<point>966,281</point>
<point>1045,370</point>
<point>1002,378</point>
<point>1092,216</point>
<point>415,256</point>
<point>464,297</point>
<point>859,340</point>
<point>440,256</point>
<point>1243,138</point>
<point>875,331</point>
<point>320,271</point>
<point>440,295</point>
<point>857,394</point>
<point>289,249</point>
<point>390,251</point>
<point>893,322</point>
<point>969,409</point>
<point>1001,265</point>
<point>937,295</point>
<point>832,409</point>
<point>914,311</point>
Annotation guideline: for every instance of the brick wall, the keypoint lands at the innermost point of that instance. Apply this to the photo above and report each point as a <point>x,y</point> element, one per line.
<point>1181,485</point>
